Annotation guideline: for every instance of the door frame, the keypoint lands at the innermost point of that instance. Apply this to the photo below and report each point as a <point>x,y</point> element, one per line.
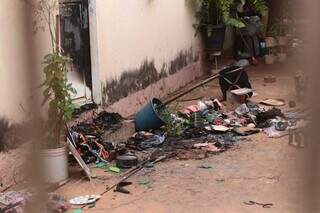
<point>96,90</point>
<point>94,49</point>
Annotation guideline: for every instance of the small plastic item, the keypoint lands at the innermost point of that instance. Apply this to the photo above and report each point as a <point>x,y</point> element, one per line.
<point>101,165</point>
<point>202,106</point>
<point>114,169</point>
<point>82,200</point>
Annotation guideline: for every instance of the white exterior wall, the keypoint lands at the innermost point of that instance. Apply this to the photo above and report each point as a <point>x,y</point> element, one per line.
<point>13,59</point>
<point>124,33</point>
<point>130,31</point>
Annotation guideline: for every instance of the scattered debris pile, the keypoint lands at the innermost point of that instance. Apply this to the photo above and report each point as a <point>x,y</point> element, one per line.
<point>88,136</point>
<point>193,133</point>
<point>22,201</point>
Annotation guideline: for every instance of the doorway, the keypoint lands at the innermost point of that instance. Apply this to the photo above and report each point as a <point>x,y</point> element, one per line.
<point>75,42</point>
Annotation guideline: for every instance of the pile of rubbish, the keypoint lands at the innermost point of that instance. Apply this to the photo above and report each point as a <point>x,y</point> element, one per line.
<point>88,137</point>
<point>21,201</point>
<point>193,133</point>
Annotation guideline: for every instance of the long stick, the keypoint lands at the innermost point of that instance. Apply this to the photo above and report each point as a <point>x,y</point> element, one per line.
<point>129,174</point>
<point>215,76</point>
<point>133,171</point>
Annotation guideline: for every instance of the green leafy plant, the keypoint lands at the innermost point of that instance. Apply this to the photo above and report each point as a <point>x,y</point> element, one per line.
<point>57,92</point>
<point>222,12</point>
<point>172,128</point>
<point>277,29</point>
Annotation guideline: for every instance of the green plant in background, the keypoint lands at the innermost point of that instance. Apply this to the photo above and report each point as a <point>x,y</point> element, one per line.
<point>222,12</point>
<point>277,29</point>
<point>57,92</point>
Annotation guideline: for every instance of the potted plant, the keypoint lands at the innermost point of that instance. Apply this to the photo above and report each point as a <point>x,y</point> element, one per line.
<point>270,57</point>
<point>214,15</point>
<point>57,93</point>
<point>272,34</point>
<point>282,40</point>
<point>56,96</point>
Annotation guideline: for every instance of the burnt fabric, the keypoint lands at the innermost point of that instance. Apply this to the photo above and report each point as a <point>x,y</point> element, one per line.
<point>234,80</point>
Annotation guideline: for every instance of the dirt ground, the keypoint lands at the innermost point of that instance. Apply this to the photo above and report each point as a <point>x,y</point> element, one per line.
<point>259,169</point>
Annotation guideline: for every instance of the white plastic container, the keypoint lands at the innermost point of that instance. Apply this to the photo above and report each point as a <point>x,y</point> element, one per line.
<point>55,164</point>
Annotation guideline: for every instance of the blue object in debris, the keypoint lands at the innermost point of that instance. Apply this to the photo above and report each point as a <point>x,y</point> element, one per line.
<point>147,118</point>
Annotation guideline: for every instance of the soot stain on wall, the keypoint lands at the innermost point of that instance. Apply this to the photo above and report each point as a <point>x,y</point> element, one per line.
<point>137,79</point>
<point>4,129</point>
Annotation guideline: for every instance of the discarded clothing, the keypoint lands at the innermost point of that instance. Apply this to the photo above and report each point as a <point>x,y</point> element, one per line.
<point>271,132</point>
<point>242,110</point>
<point>145,140</point>
<point>14,201</point>
<point>224,141</point>
<point>263,117</point>
<point>88,136</point>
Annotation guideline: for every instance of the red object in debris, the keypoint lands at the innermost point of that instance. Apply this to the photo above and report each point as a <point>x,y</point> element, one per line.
<point>191,109</point>
<point>218,121</point>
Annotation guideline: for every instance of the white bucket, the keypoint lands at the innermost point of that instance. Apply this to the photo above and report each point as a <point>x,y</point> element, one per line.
<point>55,164</point>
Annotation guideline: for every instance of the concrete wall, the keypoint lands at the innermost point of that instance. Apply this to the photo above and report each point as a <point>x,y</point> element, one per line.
<point>131,31</point>
<point>142,42</point>
<point>140,49</point>
<point>12,59</point>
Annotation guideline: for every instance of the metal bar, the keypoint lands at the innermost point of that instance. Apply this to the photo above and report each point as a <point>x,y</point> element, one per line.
<point>215,76</point>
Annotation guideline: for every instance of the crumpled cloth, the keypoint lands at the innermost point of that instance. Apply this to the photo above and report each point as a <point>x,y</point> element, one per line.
<point>271,132</point>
